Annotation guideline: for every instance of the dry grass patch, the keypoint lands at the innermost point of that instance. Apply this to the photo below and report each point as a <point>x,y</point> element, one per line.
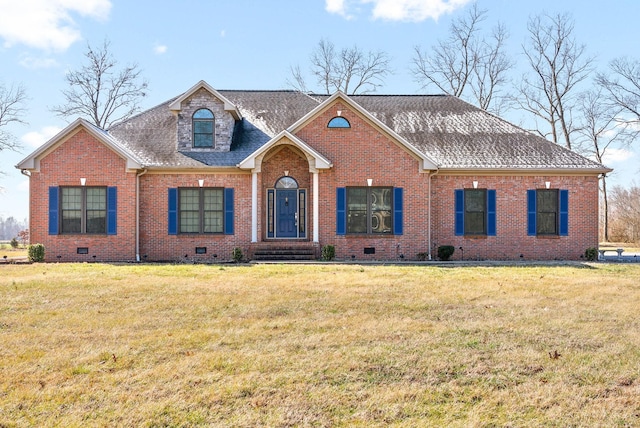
<point>321,345</point>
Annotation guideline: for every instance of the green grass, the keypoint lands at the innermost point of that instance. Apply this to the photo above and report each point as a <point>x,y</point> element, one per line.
<point>319,345</point>
<point>7,250</point>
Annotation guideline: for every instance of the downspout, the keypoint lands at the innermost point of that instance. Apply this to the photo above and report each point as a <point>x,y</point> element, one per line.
<point>28,174</point>
<point>144,171</point>
<point>431,174</point>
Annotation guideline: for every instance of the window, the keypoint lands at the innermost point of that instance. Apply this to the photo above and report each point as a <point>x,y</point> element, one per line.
<point>369,210</point>
<point>201,210</point>
<point>548,212</point>
<point>338,122</point>
<point>475,212</point>
<point>83,210</point>
<point>203,126</point>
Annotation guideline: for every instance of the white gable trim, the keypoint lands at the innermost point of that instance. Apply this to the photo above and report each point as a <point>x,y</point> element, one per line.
<point>228,105</point>
<point>317,161</point>
<point>32,162</point>
<point>426,162</point>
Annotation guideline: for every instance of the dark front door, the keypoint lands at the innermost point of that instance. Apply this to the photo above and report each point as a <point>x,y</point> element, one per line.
<point>286,213</point>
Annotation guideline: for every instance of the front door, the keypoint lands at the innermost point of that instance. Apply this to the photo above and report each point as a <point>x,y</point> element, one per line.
<point>286,213</point>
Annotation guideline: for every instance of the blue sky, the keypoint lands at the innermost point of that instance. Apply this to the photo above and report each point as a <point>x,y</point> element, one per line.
<point>248,44</point>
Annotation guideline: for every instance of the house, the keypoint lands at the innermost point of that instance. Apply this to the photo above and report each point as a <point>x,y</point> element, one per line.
<point>380,177</point>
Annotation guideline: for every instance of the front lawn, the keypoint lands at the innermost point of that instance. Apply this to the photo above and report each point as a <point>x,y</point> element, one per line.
<point>319,345</point>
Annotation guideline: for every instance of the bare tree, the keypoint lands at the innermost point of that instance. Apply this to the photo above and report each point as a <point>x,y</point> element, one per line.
<point>100,92</point>
<point>625,213</point>
<point>602,130</point>
<point>558,65</point>
<point>467,65</point>
<point>349,70</point>
<point>622,84</point>
<point>12,100</point>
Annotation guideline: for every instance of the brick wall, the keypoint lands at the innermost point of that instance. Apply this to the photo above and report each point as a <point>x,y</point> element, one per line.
<point>82,156</point>
<point>511,239</point>
<point>155,242</point>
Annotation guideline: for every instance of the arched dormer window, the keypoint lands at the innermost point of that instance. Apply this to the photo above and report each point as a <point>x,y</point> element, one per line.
<point>338,122</point>
<point>203,126</point>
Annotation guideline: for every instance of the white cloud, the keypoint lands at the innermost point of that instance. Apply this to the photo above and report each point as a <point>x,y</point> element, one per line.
<point>160,49</point>
<point>612,156</point>
<point>38,138</point>
<point>46,24</point>
<point>398,10</point>
<point>33,63</point>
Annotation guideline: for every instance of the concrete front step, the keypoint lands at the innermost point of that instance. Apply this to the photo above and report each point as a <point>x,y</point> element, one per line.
<point>284,252</point>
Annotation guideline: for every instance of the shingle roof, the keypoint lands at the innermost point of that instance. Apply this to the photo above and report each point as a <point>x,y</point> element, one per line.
<point>450,131</point>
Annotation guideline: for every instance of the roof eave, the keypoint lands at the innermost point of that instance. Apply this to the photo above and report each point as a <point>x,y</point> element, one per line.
<point>31,162</point>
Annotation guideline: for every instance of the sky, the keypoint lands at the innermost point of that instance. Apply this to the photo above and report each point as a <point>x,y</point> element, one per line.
<point>250,44</point>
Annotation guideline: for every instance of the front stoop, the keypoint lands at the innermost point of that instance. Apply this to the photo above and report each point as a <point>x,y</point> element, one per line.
<point>284,251</point>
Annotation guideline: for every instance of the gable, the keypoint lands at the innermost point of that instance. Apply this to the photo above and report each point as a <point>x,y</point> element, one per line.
<point>82,127</point>
<point>336,107</point>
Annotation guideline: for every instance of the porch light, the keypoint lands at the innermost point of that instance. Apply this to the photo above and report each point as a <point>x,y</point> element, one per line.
<point>201,182</point>
<point>83,181</point>
<point>547,184</point>
<point>369,182</point>
<point>475,184</point>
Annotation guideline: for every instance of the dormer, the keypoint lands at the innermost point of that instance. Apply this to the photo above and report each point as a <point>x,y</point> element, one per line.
<point>206,119</point>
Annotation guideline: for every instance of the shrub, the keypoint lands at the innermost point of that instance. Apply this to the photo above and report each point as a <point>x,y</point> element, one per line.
<point>237,255</point>
<point>36,253</point>
<point>14,243</point>
<point>328,253</point>
<point>422,256</point>
<point>445,252</point>
<point>591,254</point>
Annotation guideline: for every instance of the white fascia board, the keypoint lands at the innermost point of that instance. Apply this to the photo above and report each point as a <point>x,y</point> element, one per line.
<point>32,162</point>
<point>228,105</point>
<point>321,162</point>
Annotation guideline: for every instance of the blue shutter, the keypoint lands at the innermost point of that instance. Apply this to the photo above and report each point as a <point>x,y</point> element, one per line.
<point>459,208</point>
<point>564,212</point>
<point>398,207</point>
<point>491,213</point>
<point>173,211</point>
<point>271,196</point>
<point>228,211</point>
<point>341,211</point>
<point>112,210</point>
<point>53,211</point>
<point>531,213</point>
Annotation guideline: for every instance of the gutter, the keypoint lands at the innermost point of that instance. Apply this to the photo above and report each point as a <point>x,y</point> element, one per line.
<point>144,171</point>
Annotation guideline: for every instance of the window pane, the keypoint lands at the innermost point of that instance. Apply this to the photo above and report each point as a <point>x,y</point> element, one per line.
<point>474,200</point>
<point>189,222</point>
<point>203,113</point>
<point>338,122</point>
<point>357,210</point>
<point>213,222</point>
<point>189,199</point>
<point>71,221</point>
<point>96,222</point>
<point>202,140</point>
<point>380,210</point>
<point>96,210</point>
<point>547,224</point>
<point>203,127</point>
<point>71,198</point>
<point>547,200</point>
<point>474,223</point>
<point>213,199</point>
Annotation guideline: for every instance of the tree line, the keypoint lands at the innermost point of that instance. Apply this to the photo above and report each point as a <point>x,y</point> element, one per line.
<point>10,228</point>
<point>471,63</point>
